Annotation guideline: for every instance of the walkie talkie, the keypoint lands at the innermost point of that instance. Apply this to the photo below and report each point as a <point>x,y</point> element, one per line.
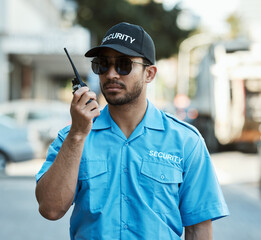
<point>77,81</point>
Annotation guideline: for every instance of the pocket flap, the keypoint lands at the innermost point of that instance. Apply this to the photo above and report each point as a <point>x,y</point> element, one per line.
<point>91,169</point>
<point>161,172</point>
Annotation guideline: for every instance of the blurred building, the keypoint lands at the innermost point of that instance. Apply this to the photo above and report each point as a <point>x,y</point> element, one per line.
<point>33,34</point>
<point>249,12</point>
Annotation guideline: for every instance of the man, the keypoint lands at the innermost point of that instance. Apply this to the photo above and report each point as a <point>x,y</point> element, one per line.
<point>132,171</point>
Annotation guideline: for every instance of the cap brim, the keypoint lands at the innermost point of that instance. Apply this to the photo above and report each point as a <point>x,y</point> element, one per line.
<point>126,51</point>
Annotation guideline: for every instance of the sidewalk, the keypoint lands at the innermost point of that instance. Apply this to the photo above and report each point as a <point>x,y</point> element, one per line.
<point>242,171</point>
<point>24,169</point>
<point>236,167</point>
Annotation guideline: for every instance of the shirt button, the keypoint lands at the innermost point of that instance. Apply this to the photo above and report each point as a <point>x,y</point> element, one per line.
<point>162,177</point>
<point>126,143</point>
<point>125,170</point>
<point>126,226</point>
<point>126,198</point>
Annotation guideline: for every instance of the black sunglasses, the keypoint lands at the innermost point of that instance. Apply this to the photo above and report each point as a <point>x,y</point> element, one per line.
<point>122,65</point>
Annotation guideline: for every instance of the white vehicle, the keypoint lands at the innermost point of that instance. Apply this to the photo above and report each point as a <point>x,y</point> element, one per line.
<point>228,93</point>
<point>42,116</point>
<point>16,143</point>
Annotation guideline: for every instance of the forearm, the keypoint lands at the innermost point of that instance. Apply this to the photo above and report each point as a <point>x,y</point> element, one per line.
<point>201,231</point>
<point>55,191</point>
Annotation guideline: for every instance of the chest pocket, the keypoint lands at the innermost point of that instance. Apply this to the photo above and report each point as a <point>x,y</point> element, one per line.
<point>93,185</point>
<point>159,183</point>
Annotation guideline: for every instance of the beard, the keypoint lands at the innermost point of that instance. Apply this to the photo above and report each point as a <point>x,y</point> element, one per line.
<point>128,98</point>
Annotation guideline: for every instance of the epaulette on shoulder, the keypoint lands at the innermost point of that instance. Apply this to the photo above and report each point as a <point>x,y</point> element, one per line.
<point>187,125</point>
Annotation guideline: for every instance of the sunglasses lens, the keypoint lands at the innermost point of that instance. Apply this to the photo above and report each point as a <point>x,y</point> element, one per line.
<point>95,67</point>
<point>123,66</point>
<point>100,65</point>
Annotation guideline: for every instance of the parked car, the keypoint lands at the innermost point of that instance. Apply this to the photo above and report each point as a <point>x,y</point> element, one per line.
<point>46,117</point>
<point>15,142</point>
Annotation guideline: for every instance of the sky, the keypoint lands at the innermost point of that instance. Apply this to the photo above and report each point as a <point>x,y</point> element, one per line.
<point>211,12</point>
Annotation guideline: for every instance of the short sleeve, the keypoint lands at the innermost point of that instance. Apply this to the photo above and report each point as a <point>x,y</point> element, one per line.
<point>201,197</point>
<point>51,154</point>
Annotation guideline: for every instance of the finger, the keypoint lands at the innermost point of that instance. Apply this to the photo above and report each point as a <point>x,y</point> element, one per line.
<point>95,113</point>
<point>90,111</point>
<point>92,106</point>
<point>85,97</point>
<point>77,95</point>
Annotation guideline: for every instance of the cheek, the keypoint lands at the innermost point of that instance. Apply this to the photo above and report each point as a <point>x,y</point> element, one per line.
<point>137,74</point>
<point>102,80</point>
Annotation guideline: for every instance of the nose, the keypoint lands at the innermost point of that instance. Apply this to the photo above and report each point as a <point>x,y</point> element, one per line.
<point>111,73</point>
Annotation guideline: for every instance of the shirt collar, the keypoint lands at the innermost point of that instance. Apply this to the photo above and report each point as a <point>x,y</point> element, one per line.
<point>103,121</point>
<point>153,119</point>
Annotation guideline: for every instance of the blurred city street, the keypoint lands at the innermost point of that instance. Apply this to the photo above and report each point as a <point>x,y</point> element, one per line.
<point>208,58</point>
<point>238,173</point>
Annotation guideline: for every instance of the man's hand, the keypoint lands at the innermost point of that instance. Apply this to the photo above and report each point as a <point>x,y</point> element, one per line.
<point>55,191</point>
<point>82,113</point>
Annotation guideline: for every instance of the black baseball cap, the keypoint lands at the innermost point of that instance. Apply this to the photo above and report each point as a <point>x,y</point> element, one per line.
<point>129,39</point>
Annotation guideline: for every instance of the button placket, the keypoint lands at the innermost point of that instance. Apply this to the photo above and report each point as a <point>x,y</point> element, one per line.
<point>125,198</point>
<point>124,187</point>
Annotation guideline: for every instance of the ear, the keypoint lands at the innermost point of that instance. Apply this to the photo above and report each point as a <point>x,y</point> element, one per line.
<point>150,73</point>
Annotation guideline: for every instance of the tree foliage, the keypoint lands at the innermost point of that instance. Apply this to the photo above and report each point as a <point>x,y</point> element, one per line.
<point>98,16</point>
<point>235,25</point>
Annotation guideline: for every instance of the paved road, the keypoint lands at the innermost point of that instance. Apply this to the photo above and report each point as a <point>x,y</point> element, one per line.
<point>20,220</point>
<point>244,222</point>
<point>19,217</point>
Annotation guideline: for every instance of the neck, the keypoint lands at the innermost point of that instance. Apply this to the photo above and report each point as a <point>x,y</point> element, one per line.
<point>128,116</point>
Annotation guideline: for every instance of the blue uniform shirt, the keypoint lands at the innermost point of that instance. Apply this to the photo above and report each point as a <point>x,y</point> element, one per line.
<point>148,186</point>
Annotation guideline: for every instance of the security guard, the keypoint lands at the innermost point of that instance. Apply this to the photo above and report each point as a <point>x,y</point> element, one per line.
<point>131,170</point>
